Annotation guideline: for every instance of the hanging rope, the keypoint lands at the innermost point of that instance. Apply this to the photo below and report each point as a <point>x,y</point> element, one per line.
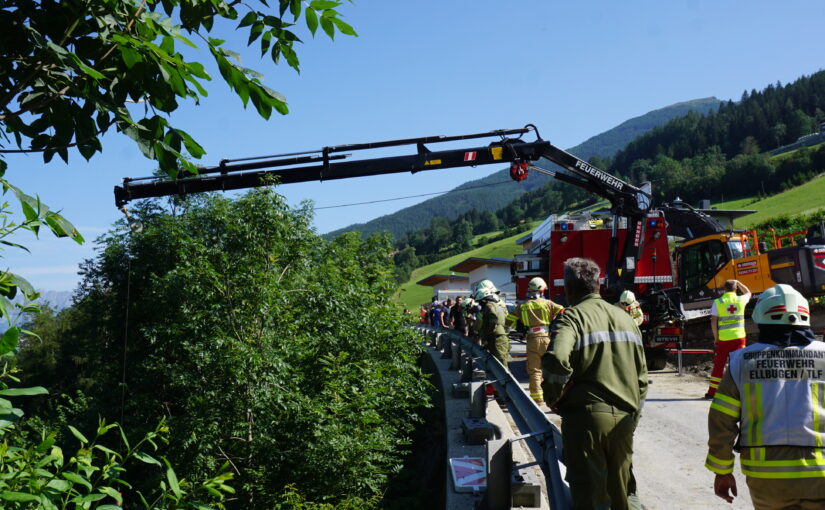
<point>125,338</point>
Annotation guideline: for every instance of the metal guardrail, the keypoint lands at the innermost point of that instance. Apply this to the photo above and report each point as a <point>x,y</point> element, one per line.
<point>541,436</point>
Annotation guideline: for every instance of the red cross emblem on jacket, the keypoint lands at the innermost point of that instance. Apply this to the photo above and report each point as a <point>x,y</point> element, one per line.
<point>732,309</point>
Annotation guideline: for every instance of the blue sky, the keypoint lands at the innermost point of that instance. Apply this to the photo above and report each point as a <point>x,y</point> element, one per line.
<point>448,67</point>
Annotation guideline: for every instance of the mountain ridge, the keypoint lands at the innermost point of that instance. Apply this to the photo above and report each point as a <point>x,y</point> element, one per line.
<point>496,190</point>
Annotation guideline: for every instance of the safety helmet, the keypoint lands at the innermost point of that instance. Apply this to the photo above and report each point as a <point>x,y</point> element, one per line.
<point>782,305</point>
<point>485,285</point>
<point>536,285</point>
<point>627,297</point>
<point>482,293</point>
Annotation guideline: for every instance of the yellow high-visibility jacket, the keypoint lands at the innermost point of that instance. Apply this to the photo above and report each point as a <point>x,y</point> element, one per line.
<point>773,399</point>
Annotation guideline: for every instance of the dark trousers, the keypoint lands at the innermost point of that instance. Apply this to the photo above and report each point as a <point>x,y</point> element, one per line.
<point>598,452</point>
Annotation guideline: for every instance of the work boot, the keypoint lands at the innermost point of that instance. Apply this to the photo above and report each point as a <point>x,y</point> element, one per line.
<point>539,402</point>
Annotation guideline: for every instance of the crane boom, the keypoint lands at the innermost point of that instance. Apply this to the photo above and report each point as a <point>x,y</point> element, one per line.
<point>331,163</point>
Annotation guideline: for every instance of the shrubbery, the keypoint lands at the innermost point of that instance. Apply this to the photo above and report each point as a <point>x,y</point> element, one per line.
<point>261,344</point>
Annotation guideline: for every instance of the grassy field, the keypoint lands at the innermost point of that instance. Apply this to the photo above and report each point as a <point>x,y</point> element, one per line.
<point>412,295</point>
<point>804,199</point>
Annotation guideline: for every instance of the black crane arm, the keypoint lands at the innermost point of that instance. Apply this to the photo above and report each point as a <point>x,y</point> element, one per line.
<point>331,163</point>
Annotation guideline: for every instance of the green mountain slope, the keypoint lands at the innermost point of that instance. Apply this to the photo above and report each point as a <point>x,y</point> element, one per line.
<point>804,199</point>
<point>497,190</point>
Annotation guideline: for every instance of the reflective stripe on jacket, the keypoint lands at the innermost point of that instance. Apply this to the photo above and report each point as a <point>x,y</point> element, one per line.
<point>730,310</point>
<point>534,313</point>
<point>773,399</point>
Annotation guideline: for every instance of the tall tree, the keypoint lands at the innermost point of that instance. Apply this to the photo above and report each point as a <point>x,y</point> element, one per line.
<point>70,69</point>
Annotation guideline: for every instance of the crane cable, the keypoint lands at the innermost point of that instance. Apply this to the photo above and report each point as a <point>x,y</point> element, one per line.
<point>412,196</point>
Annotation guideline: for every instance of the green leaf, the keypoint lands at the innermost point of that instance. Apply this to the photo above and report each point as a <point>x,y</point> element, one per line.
<point>295,8</point>
<point>312,20</point>
<point>249,19</point>
<point>344,28</point>
<point>89,498</point>
<point>20,497</point>
<point>255,32</point>
<point>21,283</point>
<point>192,147</point>
<point>76,478</point>
<point>86,69</point>
<point>24,392</point>
<point>266,41</point>
<point>80,437</point>
<point>108,507</point>
<point>148,459</point>
<point>61,227</point>
<point>8,343</point>
<point>321,5</point>
<point>59,485</point>
<point>173,479</point>
<point>326,24</point>
<point>111,491</point>
<point>130,56</point>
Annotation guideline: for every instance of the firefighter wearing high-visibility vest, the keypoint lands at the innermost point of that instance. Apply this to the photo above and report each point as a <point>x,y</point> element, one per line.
<point>491,323</point>
<point>535,314</point>
<point>727,322</point>
<point>772,398</point>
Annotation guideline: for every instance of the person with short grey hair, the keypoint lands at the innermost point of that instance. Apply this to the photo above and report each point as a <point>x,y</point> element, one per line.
<point>595,377</point>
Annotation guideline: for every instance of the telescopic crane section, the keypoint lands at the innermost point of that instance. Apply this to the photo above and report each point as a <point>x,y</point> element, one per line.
<point>331,163</point>
<point>508,147</point>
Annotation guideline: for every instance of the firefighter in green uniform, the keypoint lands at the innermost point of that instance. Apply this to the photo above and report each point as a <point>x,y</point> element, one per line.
<point>770,407</point>
<point>491,322</point>
<point>535,314</point>
<point>595,377</point>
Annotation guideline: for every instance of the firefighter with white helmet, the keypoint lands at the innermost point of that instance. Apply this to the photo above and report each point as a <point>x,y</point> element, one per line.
<point>490,323</point>
<point>770,406</point>
<point>535,314</point>
<point>628,303</point>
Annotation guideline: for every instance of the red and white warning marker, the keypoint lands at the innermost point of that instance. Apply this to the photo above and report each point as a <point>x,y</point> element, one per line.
<point>469,473</point>
<point>470,156</point>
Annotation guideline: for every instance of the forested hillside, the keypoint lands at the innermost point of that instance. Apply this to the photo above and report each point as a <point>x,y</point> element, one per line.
<point>761,121</point>
<point>497,190</point>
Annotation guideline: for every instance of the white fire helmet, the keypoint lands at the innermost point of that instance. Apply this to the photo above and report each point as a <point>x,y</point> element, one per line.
<point>484,285</point>
<point>536,285</point>
<point>782,305</point>
<point>627,297</point>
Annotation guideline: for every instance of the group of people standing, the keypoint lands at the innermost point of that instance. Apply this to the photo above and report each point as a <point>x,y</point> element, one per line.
<point>459,314</point>
<point>587,362</point>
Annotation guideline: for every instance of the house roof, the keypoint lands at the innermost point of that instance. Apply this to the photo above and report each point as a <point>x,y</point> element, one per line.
<point>473,263</point>
<point>433,280</point>
<point>523,239</point>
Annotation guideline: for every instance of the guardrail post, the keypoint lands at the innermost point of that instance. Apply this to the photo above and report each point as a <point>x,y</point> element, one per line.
<point>499,472</point>
<point>478,399</point>
<point>455,362</point>
<point>467,369</point>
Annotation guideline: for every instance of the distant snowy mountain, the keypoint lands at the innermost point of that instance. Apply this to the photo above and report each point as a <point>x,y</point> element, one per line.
<point>57,299</point>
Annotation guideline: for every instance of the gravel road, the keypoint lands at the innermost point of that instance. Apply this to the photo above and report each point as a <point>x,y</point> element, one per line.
<point>670,447</point>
